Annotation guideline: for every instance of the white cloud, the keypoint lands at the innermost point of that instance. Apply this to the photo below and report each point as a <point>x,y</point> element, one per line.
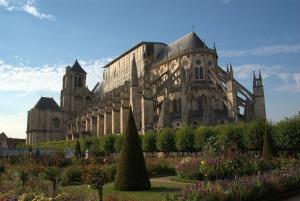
<point>25,6</point>
<point>27,79</point>
<point>14,125</point>
<point>289,81</point>
<point>261,51</point>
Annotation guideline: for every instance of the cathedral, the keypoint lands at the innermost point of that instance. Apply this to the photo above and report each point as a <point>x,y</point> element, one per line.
<point>167,85</point>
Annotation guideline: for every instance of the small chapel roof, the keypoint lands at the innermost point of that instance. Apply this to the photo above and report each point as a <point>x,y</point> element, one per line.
<point>77,68</point>
<point>46,103</point>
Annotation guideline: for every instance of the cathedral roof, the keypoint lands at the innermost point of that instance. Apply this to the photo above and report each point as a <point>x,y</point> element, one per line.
<point>46,103</point>
<point>77,68</point>
<point>188,42</point>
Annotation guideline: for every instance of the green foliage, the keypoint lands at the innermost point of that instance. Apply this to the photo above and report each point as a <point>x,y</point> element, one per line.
<point>287,133</point>
<point>267,153</point>
<point>52,174</point>
<point>149,142</point>
<point>118,143</point>
<point>185,139</point>
<point>96,178</point>
<point>232,137</point>
<point>203,134</point>
<point>107,143</point>
<point>72,175</point>
<point>166,140</point>
<point>23,176</point>
<point>131,172</point>
<point>77,150</point>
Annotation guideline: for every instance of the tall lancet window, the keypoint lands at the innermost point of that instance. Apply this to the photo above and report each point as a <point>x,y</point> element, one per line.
<point>201,73</point>
<point>196,73</point>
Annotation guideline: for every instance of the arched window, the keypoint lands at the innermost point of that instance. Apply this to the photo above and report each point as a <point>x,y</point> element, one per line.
<point>196,73</point>
<point>201,73</point>
<point>174,106</point>
<point>200,103</point>
<point>179,105</point>
<point>56,122</point>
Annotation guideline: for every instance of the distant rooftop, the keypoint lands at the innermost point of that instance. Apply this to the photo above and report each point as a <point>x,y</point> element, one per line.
<point>46,103</point>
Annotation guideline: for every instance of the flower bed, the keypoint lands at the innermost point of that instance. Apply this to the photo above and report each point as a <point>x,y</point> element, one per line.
<point>245,188</point>
<point>219,168</point>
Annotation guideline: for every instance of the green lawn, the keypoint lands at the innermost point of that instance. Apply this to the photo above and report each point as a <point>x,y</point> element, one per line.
<point>156,192</point>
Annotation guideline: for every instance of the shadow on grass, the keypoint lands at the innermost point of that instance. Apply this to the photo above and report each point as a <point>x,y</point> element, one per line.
<point>163,189</point>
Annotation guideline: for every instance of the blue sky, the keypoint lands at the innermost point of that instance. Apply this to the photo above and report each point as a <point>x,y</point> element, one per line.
<point>38,38</point>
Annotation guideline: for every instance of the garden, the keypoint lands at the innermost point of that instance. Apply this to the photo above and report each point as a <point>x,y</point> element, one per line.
<point>245,161</point>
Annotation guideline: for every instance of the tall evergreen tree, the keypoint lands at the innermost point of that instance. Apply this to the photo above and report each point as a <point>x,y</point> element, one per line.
<point>267,152</point>
<point>131,173</point>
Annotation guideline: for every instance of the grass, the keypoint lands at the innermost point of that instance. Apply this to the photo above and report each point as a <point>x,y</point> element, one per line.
<point>155,193</point>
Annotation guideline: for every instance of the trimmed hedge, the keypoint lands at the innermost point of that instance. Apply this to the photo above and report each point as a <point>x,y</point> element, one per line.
<point>284,135</point>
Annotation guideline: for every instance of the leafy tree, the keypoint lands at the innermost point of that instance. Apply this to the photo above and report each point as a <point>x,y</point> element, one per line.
<point>107,143</point>
<point>166,140</point>
<point>23,176</point>
<point>96,178</point>
<point>131,172</point>
<point>118,143</point>
<point>52,174</point>
<point>77,150</point>
<point>185,139</point>
<point>203,136</point>
<point>233,137</point>
<point>149,142</point>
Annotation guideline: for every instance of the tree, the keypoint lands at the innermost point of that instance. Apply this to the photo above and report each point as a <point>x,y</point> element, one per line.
<point>23,176</point>
<point>166,140</point>
<point>96,178</point>
<point>149,142</point>
<point>267,153</point>
<point>77,150</point>
<point>107,144</point>
<point>118,143</point>
<point>52,174</point>
<point>131,173</point>
<point>185,139</point>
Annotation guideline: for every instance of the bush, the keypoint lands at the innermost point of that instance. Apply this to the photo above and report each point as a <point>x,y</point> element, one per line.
<point>107,144</point>
<point>166,140</point>
<point>72,176</point>
<point>131,173</point>
<point>159,167</point>
<point>232,137</point>
<point>188,168</point>
<point>149,142</point>
<point>202,137</point>
<point>118,143</point>
<point>185,139</point>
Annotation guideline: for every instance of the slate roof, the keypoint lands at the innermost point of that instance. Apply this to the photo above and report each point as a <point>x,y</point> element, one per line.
<point>46,103</point>
<point>190,41</point>
<point>77,68</point>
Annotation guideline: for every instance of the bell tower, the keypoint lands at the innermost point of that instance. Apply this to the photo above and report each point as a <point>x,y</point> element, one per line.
<point>259,97</point>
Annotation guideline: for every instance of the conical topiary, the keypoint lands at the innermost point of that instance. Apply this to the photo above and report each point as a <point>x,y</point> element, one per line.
<point>267,152</point>
<point>131,173</point>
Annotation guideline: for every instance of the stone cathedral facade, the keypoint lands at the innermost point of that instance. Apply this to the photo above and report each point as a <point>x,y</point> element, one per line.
<point>166,85</point>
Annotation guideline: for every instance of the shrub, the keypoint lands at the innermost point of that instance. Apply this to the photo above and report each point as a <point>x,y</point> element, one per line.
<point>185,139</point>
<point>166,140</point>
<point>107,143</point>
<point>149,142</point>
<point>188,168</point>
<point>232,137</point>
<point>96,177</point>
<point>72,175</point>
<point>201,137</point>
<point>160,167</point>
<point>52,174</point>
<point>23,176</point>
<point>131,172</point>
<point>118,143</point>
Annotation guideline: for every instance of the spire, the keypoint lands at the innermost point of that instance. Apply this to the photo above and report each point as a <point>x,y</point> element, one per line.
<point>259,75</point>
<point>231,68</point>
<point>134,76</point>
<point>254,79</point>
<point>227,68</point>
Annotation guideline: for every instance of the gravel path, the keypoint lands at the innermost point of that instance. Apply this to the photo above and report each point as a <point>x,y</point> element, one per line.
<point>166,180</point>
